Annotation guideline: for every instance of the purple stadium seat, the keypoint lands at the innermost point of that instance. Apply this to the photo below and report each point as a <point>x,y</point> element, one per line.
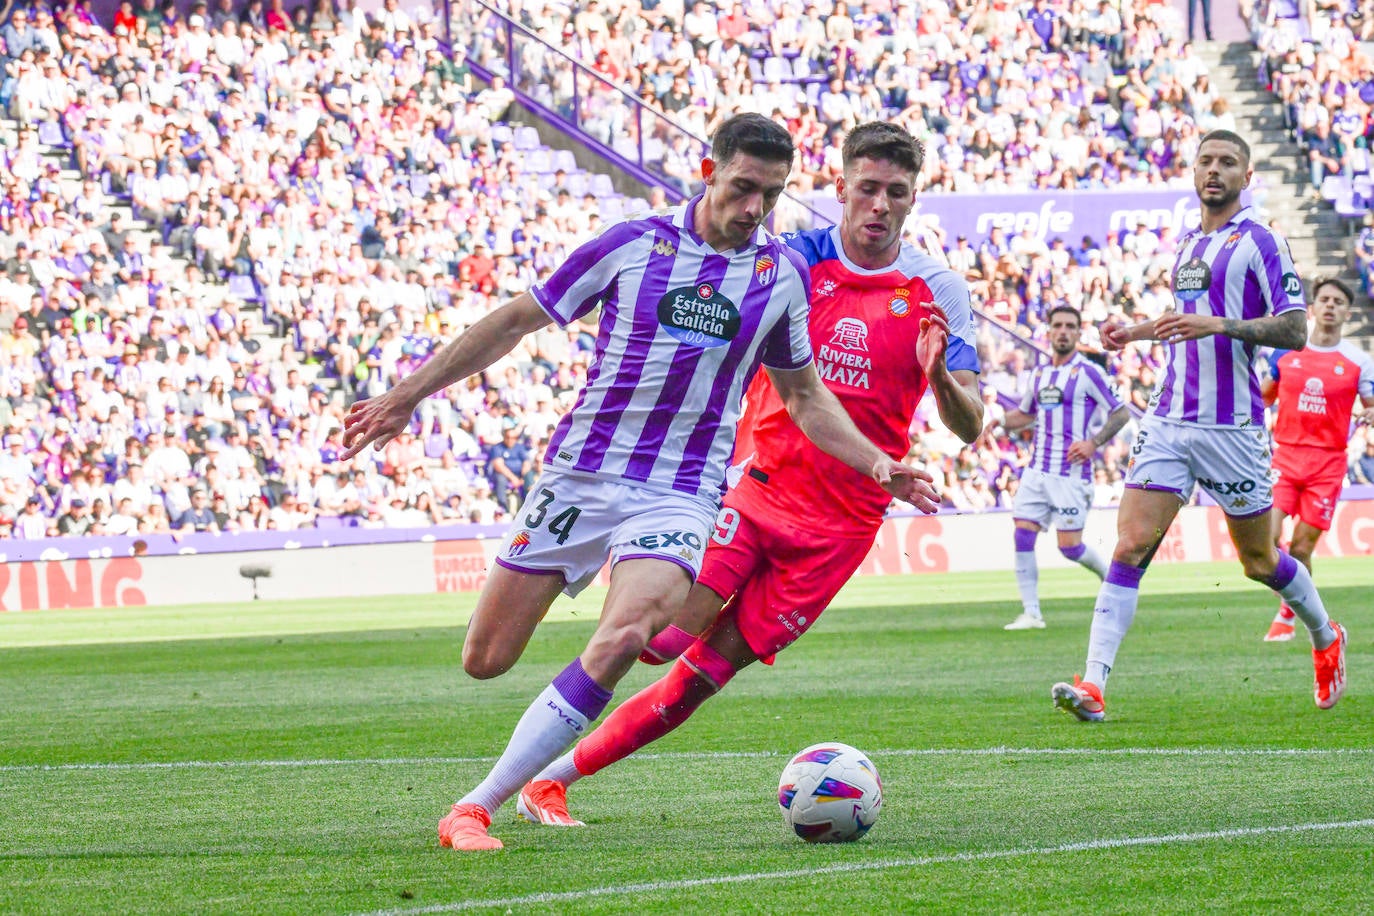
<point>1333,186</point>
<point>242,286</point>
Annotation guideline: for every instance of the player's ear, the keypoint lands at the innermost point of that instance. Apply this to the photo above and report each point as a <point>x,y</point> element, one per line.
<point>839,188</point>
<point>708,169</point>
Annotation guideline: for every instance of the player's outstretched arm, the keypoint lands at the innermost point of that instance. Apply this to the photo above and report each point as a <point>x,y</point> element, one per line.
<point>378,420</point>
<point>1115,336</point>
<point>822,419</point>
<point>1287,331</point>
<point>956,393</point>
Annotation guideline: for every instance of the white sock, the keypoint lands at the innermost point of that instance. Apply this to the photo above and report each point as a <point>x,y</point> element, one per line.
<point>1091,559</point>
<point>548,726</point>
<point>561,770</point>
<point>1112,616</point>
<point>1028,582</point>
<point>1301,594</point>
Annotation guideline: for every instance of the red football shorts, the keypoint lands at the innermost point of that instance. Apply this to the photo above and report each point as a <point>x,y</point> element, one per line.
<point>777,579</point>
<point>1309,482</point>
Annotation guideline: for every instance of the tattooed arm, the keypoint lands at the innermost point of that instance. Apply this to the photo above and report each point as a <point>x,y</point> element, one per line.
<point>1287,331</point>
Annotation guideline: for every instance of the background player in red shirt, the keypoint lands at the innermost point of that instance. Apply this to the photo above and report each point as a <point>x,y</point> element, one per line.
<point>887,321</point>
<point>1316,389</point>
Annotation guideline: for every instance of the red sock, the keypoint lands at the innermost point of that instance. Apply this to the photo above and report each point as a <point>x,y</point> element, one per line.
<point>650,714</point>
<point>667,645</point>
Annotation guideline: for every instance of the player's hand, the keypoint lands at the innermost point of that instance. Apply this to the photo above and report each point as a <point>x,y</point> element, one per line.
<point>908,484</point>
<point>375,421</point>
<point>1082,450</point>
<point>1177,327</point>
<point>932,341</point>
<point>1115,335</point>
<point>1365,416</point>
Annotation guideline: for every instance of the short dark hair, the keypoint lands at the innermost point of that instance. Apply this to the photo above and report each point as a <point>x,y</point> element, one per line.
<point>880,140</point>
<point>754,135</point>
<point>1227,136</point>
<point>1066,309</point>
<point>1340,285</point>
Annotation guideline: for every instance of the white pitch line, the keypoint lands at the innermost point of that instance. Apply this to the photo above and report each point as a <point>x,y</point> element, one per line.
<point>709,755</point>
<point>655,887</point>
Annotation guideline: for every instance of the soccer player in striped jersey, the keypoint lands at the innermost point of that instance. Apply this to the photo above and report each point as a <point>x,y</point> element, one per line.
<point>886,322</point>
<point>1235,290</point>
<point>1316,389</point>
<point>1065,400</point>
<point>692,303</point>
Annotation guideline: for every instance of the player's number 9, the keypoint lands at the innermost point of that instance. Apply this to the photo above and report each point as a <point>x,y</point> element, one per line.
<point>727,523</point>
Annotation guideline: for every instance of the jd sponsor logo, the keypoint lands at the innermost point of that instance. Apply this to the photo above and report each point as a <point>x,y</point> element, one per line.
<point>698,315</point>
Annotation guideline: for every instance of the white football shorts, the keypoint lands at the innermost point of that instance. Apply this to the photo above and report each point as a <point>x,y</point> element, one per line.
<point>572,523</point>
<point>1051,500</point>
<point>1230,463</point>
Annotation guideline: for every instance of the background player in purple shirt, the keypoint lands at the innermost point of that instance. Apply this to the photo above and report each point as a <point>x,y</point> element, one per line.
<point>1234,290</point>
<point>691,303</point>
<point>1064,399</point>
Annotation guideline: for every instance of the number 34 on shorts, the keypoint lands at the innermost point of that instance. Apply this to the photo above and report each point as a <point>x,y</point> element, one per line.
<point>572,524</point>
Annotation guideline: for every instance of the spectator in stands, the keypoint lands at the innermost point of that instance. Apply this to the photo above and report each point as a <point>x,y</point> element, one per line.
<point>199,516</point>
<point>1362,467</point>
<point>509,463</point>
<point>1325,155</point>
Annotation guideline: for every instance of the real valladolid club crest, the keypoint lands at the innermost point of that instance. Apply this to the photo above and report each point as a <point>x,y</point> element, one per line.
<point>765,269</point>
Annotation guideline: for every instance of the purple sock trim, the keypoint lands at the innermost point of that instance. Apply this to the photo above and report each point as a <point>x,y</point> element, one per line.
<point>1024,539</point>
<point>1284,574</point>
<point>1074,552</point>
<point>586,695</point>
<point>1124,575</point>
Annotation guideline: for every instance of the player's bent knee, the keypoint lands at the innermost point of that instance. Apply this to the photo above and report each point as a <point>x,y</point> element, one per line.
<point>485,664</point>
<point>619,644</point>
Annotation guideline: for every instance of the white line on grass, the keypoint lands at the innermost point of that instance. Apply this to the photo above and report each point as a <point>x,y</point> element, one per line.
<point>654,887</point>
<point>714,755</point>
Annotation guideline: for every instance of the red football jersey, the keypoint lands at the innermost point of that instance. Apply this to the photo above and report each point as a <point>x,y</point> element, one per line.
<point>1317,392</point>
<point>864,326</point>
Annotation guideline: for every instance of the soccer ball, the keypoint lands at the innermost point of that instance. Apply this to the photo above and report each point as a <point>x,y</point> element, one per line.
<point>830,793</point>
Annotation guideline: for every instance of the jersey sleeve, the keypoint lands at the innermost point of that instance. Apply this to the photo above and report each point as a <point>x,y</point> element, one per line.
<point>1366,383</point>
<point>1111,397</point>
<point>1272,358</point>
<point>1279,285</point>
<point>1027,404</point>
<point>585,277</point>
<point>951,294</point>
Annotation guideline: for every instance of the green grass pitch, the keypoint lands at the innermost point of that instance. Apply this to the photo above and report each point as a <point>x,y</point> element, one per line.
<point>294,757</point>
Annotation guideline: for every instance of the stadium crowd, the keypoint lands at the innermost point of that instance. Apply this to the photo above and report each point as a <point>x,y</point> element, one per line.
<point>221,229</point>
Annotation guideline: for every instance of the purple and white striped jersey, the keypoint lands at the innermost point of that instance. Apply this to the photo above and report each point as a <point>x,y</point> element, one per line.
<point>1065,401</point>
<point>683,328</point>
<point>1243,270</point>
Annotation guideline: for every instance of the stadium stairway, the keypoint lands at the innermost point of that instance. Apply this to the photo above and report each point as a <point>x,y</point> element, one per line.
<point>1321,239</point>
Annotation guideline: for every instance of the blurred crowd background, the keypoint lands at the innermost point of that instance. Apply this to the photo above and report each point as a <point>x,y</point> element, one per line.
<point>220,228</point>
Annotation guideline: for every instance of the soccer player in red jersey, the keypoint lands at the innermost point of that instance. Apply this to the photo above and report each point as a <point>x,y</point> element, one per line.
<point>1316,389</point>
<point>887,322</point>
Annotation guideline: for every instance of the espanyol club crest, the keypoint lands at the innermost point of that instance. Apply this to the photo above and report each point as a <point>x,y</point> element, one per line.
<point>900,306</point>
<point>765,269</point>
